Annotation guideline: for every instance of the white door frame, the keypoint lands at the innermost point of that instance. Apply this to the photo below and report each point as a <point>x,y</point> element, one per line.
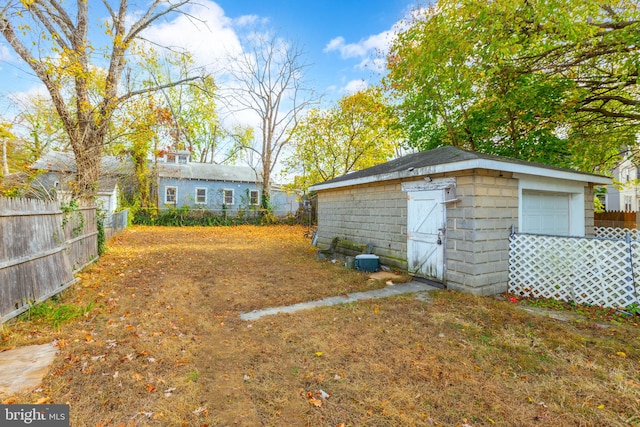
<point>433,242</point>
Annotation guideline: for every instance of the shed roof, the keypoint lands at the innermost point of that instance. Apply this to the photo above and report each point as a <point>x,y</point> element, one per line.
<point>208,172</point>
<point>452,159</point>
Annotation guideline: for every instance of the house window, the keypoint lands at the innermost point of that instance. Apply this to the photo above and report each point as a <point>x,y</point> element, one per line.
<point>171,195</point>
<point>201,195</point>
<point>254,197</point>
<point>627,204</point>
<point>183,159</point>
<point>171,158</point>
<point>56,184</point>
<point>227,197</point>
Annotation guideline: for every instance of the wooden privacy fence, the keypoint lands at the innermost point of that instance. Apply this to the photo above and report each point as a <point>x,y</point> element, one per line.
<point>42,245</point>
<point>616,219</point>
<point>601,270</point>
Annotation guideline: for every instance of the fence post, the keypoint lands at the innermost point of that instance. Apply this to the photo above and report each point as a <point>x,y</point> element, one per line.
<point>633,276</point>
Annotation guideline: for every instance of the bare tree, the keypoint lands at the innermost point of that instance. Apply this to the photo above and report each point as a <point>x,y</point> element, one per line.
<point>57,48</point>
<point>269,80</point>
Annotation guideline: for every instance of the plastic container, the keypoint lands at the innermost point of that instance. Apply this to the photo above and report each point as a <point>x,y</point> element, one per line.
<point>367,262</point>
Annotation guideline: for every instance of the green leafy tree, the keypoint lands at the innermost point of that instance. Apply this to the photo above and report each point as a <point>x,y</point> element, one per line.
<point>40,127</point>
<point>360,131</point>
<point>538,80</point>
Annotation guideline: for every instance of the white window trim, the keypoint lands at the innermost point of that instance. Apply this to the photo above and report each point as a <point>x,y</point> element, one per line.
<point>166,200</point>
<point>576,202</point>
<point>224,197</point>
<point>205,195</point>
<point>257,197</point>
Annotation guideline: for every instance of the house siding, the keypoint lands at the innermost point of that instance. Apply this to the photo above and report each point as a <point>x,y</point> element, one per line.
<point>282,202</point>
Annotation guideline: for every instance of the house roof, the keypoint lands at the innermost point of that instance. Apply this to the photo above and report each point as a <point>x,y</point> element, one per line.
<point>452,159</point>
<point>63,161</point>
<point>208,172</point>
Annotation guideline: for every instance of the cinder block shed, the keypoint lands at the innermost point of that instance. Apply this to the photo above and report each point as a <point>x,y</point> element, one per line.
<point>446,214</point>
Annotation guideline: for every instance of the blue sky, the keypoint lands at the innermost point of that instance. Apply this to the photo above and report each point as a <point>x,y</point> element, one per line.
<point>340,38</point>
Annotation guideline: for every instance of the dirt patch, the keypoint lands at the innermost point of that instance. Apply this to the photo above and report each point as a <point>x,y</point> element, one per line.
<point>163,345</point>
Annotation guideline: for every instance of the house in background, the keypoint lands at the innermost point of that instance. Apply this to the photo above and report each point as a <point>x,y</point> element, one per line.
<point>214,187</point>
<point>57,170</point>
<point>446,214</point>
<point>624,194</point>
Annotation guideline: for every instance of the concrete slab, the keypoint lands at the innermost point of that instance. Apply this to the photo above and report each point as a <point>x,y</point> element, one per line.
<point>403,288</point>
<point>22,368</point>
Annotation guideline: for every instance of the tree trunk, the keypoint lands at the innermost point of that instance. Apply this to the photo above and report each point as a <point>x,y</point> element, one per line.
<point>266,190</point>
<point>88,157</point>
<point>5,163</point>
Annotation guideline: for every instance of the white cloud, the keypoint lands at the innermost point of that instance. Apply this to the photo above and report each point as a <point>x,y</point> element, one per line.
<point>355,86</point>
<point>5,53</point>
<point>249,21</point>
<point>36,91</point>
<point>372,45</point>
<point>204,31</point>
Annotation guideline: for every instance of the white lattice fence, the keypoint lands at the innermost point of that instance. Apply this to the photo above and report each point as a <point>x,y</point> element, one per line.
<point>616,233</point>
<point>585,270</point>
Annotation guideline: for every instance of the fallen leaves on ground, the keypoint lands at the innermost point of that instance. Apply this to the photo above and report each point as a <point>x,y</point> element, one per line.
<point>163,345</point>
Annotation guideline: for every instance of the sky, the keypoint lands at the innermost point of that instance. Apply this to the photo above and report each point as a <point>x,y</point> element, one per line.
<point>341,39</point>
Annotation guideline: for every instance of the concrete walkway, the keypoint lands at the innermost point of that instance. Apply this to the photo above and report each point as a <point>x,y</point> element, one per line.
<point>22,369</point>
<point>403,288</point>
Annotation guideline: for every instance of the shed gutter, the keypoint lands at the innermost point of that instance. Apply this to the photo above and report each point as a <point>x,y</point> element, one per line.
<point>465,165</point>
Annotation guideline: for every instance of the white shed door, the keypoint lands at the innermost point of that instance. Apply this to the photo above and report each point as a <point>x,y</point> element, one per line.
<point>425,234</point>
<point>546,213</point>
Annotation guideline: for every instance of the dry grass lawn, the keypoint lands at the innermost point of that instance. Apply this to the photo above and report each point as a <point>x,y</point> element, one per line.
<point>162,345</point>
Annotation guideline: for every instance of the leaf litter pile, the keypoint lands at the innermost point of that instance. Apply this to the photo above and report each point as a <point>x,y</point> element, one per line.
<point>159,342</point>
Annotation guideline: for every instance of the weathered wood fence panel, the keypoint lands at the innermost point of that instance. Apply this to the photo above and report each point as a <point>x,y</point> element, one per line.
<point>616,219</point>
<point>40,249</point>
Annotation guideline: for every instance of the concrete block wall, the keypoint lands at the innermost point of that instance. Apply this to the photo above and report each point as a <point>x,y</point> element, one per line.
<point>372,213</point>
<point>478,228</point>
<point>589,218</point>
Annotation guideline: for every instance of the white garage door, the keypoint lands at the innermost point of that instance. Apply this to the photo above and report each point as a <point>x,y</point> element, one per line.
<point>546,213</point>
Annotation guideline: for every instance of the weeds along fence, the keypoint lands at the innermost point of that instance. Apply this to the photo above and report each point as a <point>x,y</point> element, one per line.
<point>601,270</point>
<point>42,245</point>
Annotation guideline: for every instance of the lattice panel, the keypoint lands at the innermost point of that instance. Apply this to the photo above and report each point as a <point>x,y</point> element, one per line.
<point>616,233</point>
<point>584,270</point>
